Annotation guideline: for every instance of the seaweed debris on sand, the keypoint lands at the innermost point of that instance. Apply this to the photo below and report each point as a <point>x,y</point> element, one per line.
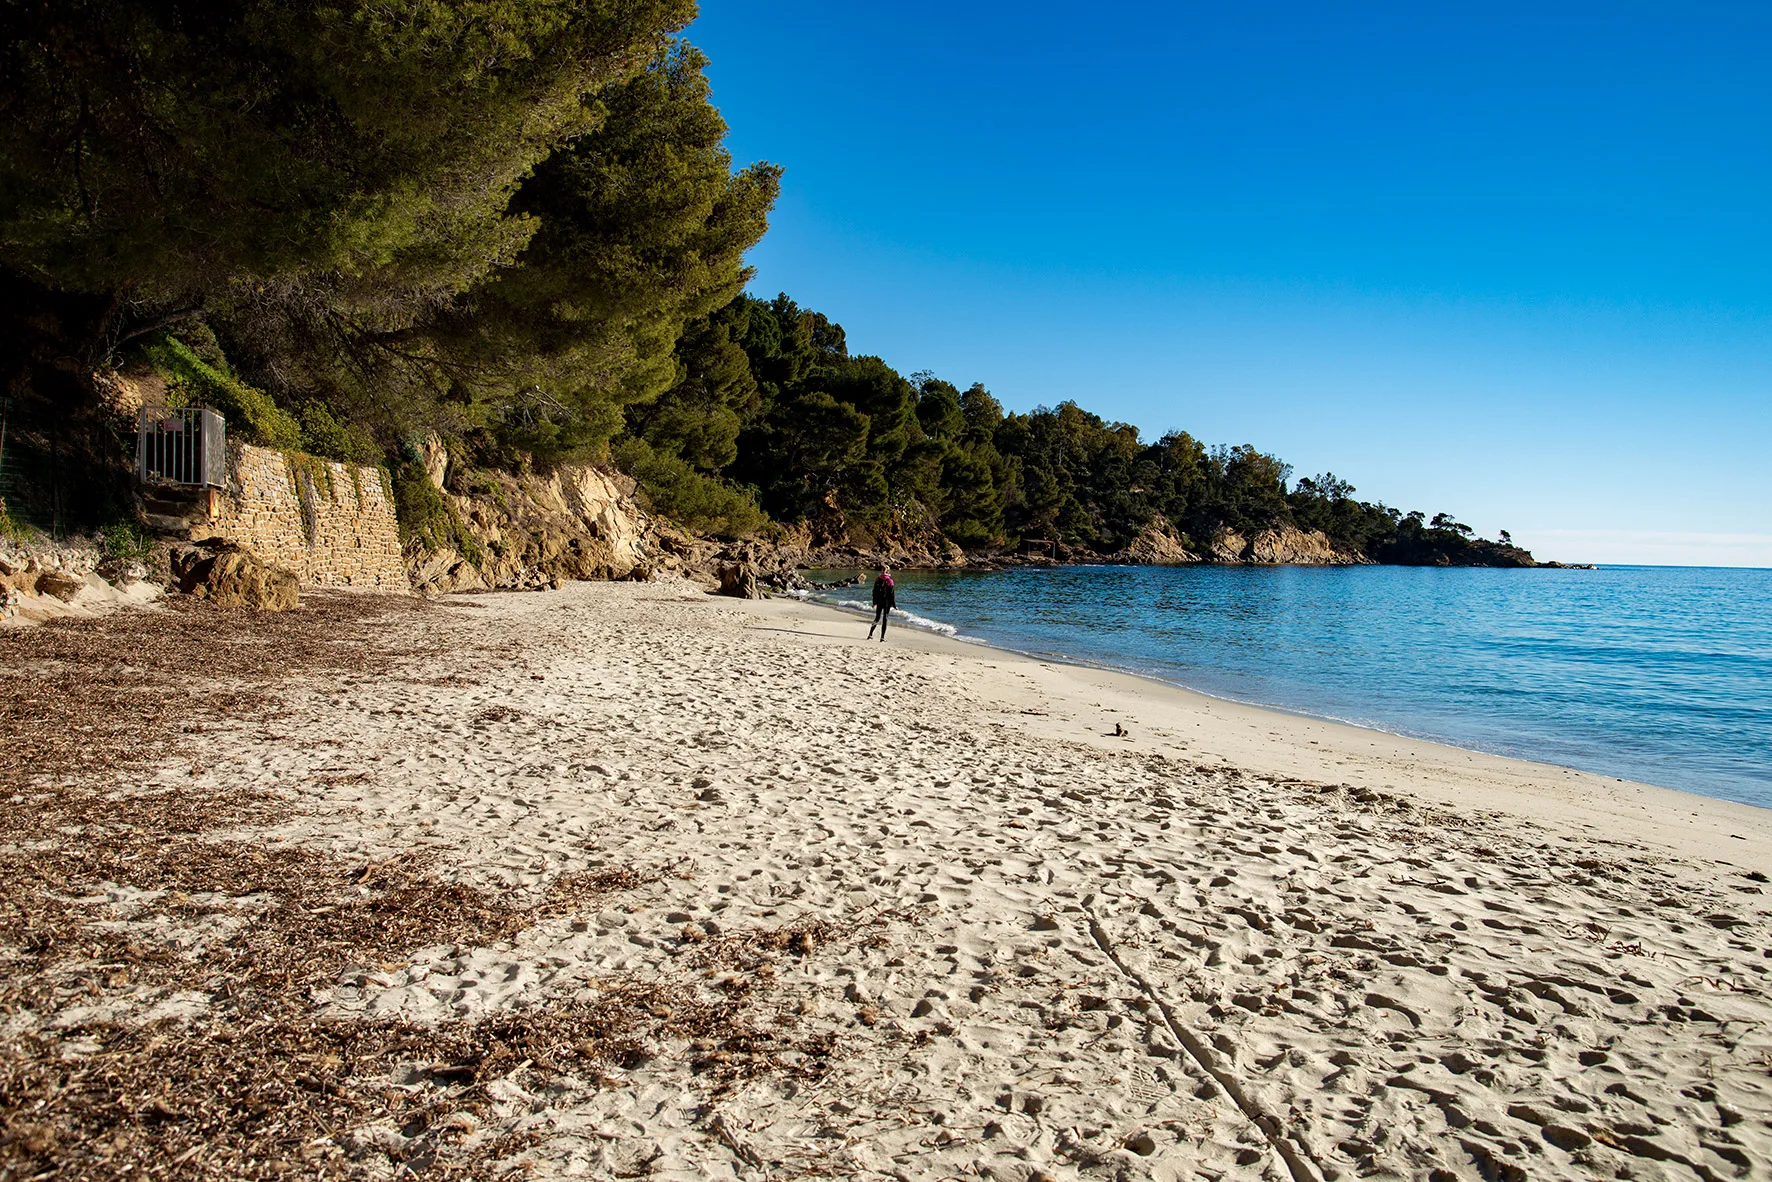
<point>621,879</point>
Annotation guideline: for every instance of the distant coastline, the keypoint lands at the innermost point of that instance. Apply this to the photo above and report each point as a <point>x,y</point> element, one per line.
<point>780,562</point>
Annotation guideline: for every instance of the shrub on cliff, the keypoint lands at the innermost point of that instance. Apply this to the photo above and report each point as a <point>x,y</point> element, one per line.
<point>673,489</point>
<point>426,519</point>
<point>12,529</point>
<point>252,415</point>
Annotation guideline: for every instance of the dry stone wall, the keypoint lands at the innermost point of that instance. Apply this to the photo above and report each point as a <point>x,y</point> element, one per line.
<point>330,523</point>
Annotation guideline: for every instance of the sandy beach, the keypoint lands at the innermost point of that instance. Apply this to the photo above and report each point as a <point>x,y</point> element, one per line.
<point>624,880</point>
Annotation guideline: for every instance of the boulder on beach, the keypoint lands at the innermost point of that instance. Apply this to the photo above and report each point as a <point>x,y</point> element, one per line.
<point>230,575</point>
<point>122,572</point>
<point>740,581</point>
<point>60,584</point>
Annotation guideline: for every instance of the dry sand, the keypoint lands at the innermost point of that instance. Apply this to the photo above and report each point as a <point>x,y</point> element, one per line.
<point>953,928</point>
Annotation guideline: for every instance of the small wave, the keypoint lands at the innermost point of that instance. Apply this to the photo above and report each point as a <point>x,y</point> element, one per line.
<point>926,623</point>
<point>899,616</point>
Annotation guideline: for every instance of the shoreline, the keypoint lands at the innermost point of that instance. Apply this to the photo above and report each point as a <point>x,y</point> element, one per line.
<point>1300,714</point>
<point>1690,823</point>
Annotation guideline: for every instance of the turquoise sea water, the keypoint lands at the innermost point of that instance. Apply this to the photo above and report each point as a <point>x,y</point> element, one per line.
<point>1657,674</point>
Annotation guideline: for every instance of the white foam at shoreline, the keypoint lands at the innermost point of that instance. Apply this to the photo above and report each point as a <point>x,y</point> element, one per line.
<point>899,615</point>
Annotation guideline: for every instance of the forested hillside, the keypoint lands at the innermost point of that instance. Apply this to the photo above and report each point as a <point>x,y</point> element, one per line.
<point>511,223</point>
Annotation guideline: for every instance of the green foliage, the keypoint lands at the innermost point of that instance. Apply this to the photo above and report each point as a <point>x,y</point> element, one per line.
<point>427,521</point>
<point>324,435</point>
<point>12,529</point>
<point>490,218</point>
<point>1247,489</point>
<point>698,419</point>
<point>803,450</point>
<point>123,542</point>
<point>197,373</point>
<point>938,407</point>
<point>971,511</point>
<point>175,148</point>
<point>678,491</point>
<point>252,415</point>
<point>309,472</point>
<point>819,430</point>
<point>640,230</point>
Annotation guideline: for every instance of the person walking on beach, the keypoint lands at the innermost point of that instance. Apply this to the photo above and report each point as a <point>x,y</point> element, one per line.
<point>884,601</point>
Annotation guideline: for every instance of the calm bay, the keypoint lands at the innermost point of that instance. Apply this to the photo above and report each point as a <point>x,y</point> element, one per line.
<point>1656,674</point>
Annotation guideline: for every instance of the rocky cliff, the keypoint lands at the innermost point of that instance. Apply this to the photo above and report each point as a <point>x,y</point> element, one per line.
<point>1159,544</point>
<point>1156,545</point>
<point>583,522</point>
<point>529,531</point>
<point>1288,546</point>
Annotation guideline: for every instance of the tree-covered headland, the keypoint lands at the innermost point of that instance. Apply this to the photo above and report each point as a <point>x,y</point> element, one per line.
<point>513,224</point>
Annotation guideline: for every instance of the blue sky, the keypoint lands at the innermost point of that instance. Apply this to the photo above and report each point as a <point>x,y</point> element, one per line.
<point>1513,262</point>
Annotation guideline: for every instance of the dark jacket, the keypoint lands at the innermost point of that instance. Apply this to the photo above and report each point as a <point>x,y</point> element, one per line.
<point>883,593</point>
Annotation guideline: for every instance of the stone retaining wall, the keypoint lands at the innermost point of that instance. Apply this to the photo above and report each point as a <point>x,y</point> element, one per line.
<point>330,523</point>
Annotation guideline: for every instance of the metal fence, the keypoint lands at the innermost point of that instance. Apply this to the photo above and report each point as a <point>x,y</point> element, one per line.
<point>187,447</point>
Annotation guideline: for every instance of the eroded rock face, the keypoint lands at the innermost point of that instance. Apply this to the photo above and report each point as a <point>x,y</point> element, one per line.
<point>443,571</point>
<point>1157,545</point>
<point>740,581</point>
<point>22,562</point>
<point>40,582</point>
<point>1228,546</point>
<point>1296,547</point>
<point>230,575</point>
<point>539,531</point>
<point>435,458</point>
<point>1280,547</point>
<point>122,572</point>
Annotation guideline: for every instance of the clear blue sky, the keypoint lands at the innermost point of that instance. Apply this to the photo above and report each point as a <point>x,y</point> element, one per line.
<point>1509,261</point>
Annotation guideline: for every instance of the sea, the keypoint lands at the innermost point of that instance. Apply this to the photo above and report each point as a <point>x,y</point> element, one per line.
<point>1661,675</point>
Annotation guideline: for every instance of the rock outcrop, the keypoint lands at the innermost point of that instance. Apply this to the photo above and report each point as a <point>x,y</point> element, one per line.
<point>45,572</point>
<point>1156,545</point>
<point>1228,546</point>
<point>1287,546</point>
<point>1296,547</point>
<point>123,572</point>
<point>48,581</point>
<point>740,581</point>
<point>74,556</point>
<point>60,584</point>
<point>230,575</point>
<point>582,522</point>
<point>520,532</point>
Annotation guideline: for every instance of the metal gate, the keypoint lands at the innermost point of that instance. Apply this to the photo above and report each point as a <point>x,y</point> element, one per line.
<point>186,447</point>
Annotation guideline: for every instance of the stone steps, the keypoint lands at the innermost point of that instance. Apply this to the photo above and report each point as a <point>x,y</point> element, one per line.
<point>173,511</point>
